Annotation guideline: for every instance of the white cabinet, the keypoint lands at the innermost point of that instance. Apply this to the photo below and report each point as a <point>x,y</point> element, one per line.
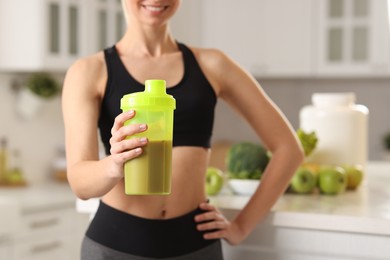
<point>39,34</point>
<point>46,248</point>
<point>50,35</point>
<point>353,37</point>
<point>47,225</point>
<point>106,24</point>
<point>49,234</point>
<point>267,37</point>
<point>300,38</point>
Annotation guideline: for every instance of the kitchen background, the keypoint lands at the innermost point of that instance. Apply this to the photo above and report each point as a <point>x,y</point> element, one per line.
<point>284,44</point>
<point>293,48</point>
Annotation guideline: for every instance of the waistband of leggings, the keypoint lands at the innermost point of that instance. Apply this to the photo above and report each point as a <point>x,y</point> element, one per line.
<point>146,237</point>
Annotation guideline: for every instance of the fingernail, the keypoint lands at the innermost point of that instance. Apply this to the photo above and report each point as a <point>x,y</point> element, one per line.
<point>138,150</point>
<point>143,140</point>
<point>131,112</point>
<point>142,126</point>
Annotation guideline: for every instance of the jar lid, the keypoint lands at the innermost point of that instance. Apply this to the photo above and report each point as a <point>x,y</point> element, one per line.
<point>333,99</point>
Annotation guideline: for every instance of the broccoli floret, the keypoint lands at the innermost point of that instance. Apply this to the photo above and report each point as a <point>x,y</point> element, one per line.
<point>246,160</point>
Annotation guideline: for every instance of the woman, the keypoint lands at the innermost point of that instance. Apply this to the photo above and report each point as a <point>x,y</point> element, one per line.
<point>181,225</point>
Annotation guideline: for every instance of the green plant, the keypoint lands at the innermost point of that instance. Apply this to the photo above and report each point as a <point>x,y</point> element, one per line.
<point>308,140</point>
<point>386,141</point>
<point>246,160</point>
<point>43,85</point>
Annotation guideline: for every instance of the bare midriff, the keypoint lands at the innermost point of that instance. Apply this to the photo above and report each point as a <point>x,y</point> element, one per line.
<point>188,180</point>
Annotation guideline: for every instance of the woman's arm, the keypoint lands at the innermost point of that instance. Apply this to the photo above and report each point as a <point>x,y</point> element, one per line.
<point>82,92</point>
<point>245,95</point>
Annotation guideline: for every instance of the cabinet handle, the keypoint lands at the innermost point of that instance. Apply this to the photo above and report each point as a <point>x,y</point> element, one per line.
<point>44,223</point>
<point>45,247</point>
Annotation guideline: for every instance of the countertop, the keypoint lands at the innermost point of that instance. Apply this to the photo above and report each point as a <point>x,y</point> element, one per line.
<point>38,197</point>
<point>365,210</point>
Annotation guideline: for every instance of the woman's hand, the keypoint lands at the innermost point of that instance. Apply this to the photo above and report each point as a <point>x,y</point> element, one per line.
<point>123,149</point>
<point>217,226</point>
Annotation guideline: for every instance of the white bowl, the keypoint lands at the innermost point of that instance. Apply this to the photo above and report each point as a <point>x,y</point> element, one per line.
<point>243,186</point>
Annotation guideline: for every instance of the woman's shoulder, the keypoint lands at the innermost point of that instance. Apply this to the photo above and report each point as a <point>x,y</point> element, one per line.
<point>212,59</point>
<point>88,73</point>
<point>214,64</point>
<point>92,64</point>
<point>208,55</point>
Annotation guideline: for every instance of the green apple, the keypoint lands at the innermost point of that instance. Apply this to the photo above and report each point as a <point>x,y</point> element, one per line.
<point>332,180</point>
<point>303,181</point>
<point>214,181</point>
<point>354,175</point>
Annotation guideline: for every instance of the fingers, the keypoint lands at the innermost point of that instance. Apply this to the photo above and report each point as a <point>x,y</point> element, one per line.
<point>121,158</point>
<point>127,144</point>
<point>207,206</point>
<point>124,149</point>
<point>212,221</point>
<point>121,119</point>
<point>125,131</point>
<point>119,132</point>
<point>210,214</point>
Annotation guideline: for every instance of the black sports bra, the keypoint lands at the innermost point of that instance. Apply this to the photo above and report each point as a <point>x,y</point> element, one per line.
<point>195,100</point>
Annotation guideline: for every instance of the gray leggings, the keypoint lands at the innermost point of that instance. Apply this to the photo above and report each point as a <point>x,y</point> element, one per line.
<point>92,250</point>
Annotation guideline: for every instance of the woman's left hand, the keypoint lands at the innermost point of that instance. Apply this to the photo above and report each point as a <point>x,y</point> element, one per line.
<point>217,226</point>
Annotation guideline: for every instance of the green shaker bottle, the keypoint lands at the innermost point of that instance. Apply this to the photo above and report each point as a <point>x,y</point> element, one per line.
<point>150,173</point>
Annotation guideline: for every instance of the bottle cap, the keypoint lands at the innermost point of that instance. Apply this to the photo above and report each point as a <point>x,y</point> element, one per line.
<point>154,97</point>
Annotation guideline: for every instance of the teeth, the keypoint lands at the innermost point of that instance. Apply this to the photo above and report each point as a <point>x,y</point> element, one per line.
<point>154,8</point>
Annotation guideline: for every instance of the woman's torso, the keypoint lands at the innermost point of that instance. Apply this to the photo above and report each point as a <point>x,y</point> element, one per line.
<point>189,162</point>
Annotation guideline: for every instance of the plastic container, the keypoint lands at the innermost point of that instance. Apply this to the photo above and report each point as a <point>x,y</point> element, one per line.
<point>151,172</point>
<point>341,127</point>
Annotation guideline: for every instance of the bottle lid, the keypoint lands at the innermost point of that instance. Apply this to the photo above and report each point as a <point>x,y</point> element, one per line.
<point>333,99</point>
<point>154,96</point>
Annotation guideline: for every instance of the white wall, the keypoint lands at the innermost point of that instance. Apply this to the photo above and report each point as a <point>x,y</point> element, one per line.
<point>37,139</point>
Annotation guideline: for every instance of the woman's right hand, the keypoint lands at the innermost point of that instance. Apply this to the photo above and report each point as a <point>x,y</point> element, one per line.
<point>123,149</point>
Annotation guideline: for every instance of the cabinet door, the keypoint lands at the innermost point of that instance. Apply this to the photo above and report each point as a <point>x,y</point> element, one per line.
<point>21,35</point>
<point>63,33</point>
<point>49,234</point>
<point>47,248</point>
<point>267,37</point>
<point>353,37</point>
<point>39,34</point>
<point>108,24</point>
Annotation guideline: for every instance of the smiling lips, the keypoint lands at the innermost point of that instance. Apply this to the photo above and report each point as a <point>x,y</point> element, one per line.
<point>154,9</point>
